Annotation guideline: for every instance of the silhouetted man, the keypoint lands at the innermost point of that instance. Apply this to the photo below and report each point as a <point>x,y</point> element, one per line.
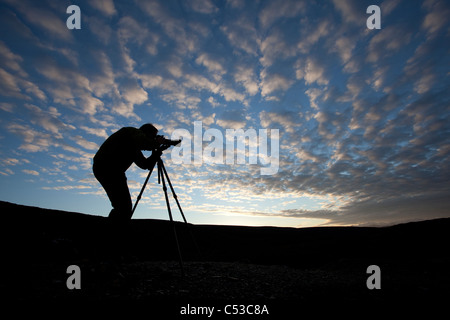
<point>116,155</point>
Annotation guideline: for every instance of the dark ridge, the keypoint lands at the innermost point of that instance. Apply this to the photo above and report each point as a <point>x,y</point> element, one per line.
<point>42,233</point>
<point>279,264</point>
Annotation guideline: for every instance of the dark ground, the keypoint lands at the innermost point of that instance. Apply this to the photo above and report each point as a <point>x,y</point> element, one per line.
<point>285,269</point>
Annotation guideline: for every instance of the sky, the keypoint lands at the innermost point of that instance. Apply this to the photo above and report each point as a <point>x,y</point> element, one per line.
<point>362,114</point>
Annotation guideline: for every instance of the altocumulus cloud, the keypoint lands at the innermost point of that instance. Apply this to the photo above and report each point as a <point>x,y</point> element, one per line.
<point>363,114</point>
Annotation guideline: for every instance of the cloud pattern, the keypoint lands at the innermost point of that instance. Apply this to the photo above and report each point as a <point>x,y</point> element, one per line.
<point>363,114</point>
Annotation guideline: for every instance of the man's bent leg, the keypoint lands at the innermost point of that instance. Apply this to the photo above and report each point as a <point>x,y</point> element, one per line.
<point>116,236</point>
<point>115,185</point>
<point>120,198</point>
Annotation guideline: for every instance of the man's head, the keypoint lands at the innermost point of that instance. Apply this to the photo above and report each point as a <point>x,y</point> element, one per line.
<point>149,130</point>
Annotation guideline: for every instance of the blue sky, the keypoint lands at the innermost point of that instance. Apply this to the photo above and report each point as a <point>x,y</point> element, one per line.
<point>363,115</point>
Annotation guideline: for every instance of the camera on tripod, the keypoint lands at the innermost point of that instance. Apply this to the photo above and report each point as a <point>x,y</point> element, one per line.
<point>166,143</point>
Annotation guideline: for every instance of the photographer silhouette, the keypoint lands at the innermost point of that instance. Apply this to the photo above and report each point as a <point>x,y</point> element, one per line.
<point>116,155</point>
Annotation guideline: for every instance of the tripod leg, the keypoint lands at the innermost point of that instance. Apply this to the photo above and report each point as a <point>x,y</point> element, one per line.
<point>142,190</point>
<point>163,169</point>
<point>173,191</point>
<point>160,164</point>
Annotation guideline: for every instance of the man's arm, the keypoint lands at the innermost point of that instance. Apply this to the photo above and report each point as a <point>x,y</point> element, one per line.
<point>147,163</point>
<point>151,161</point>
<point>140,160</point>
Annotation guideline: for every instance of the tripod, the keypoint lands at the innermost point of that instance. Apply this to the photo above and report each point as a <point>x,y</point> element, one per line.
<point>162,176</point>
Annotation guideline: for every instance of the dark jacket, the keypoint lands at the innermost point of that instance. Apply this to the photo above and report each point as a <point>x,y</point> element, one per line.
<point>123,148</point>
